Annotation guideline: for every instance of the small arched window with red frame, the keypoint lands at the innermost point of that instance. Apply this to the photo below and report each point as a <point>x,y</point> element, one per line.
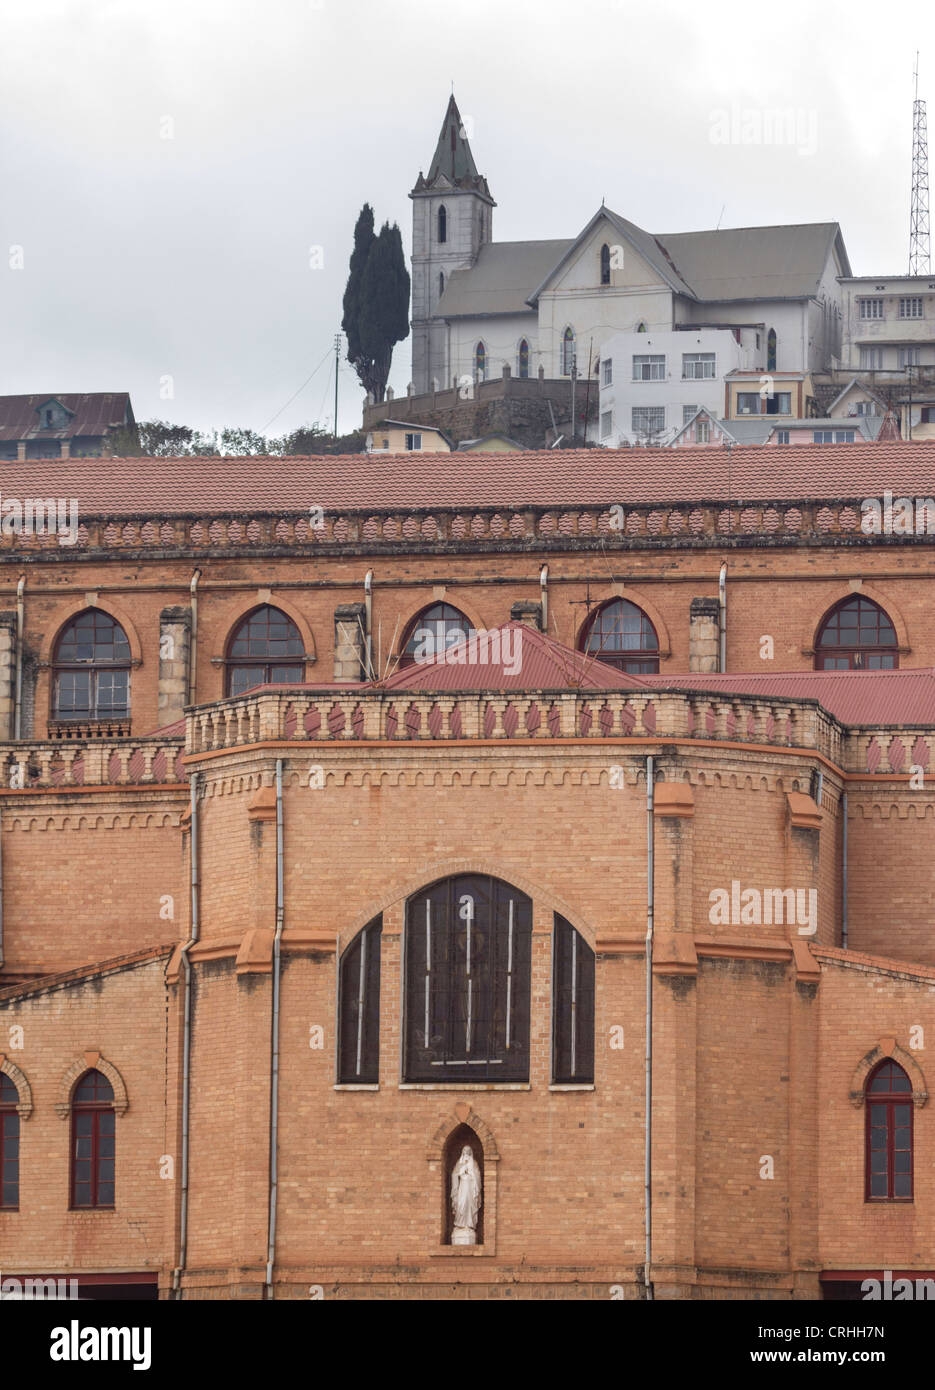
<point>888,1097</point>
<point>93,1141</point>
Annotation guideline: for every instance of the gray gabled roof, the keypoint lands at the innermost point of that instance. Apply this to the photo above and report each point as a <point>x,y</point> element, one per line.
<point>756,262</point>
<point>736,263</point>
<point>644,243</point>
<point>500,280</point>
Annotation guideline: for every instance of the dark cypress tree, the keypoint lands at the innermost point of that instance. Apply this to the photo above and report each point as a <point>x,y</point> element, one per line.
<point>376,303</point>
<point>363,241</point>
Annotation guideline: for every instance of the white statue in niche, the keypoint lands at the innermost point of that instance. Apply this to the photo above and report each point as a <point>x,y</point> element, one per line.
<point>465,1198</point>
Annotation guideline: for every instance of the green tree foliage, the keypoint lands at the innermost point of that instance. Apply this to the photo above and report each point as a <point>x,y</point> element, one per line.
<point>376,302</point>
<point>160,439</point>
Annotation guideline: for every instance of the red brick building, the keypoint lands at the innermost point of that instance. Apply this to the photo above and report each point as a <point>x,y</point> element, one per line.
<point>279,884</point>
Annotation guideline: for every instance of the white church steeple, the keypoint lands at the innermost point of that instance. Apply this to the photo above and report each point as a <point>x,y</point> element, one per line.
<point>452,218</point>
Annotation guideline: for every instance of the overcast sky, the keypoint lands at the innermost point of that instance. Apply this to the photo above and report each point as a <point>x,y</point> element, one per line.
<point>167,165</point>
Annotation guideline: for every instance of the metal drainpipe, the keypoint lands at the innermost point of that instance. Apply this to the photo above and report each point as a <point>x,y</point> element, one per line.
<point>20,613</point>
<point>368,623</point>
<point>274,1059</point>
<point>1,891</point>
<point>187,1042</point>
<point>844,874</point>
<point>544,596</point>
<point>650,901</point>
<point>193,650</point>
<point>722,618</point>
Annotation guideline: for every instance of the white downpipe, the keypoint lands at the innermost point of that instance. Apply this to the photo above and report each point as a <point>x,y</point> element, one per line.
<point>368,624</point>
<point>274,1050</point>
<point>193,649</point>
<point>20,615</point>
<point>722,618</point>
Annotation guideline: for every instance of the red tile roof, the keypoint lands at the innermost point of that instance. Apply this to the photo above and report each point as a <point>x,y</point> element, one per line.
<point>575,478</point>
<point>92,414</point>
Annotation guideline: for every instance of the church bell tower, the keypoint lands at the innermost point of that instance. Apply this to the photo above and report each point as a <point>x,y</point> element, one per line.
<point>452,218</point>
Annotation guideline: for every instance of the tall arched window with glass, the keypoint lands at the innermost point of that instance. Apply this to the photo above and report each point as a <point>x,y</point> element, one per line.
<point>480,362</point>
<point>9,1144</point>
<point>359,1008</point>
<point>91,669</point>
<point>523,358</point>
<point>93,1153</point>
<point>888,1099</point>
<point>572,1006</point>
<point>568,352</point>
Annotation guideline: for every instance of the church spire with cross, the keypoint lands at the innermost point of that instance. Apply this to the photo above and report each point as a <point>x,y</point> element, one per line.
<point>453,161</point>
<point>452,220</point>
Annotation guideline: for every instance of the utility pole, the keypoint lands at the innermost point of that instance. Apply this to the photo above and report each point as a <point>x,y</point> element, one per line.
<point>574,377</point>
<point>337,364</point>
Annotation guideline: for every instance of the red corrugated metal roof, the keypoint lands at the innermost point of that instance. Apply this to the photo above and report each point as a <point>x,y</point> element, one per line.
<point>884,698</point>
<point>853,697</point>
<point>576,478</point>
<point>92,414</point>
<point>511,657</point>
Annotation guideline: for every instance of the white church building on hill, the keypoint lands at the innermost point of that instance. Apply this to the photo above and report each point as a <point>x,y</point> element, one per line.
<point>768,298</point>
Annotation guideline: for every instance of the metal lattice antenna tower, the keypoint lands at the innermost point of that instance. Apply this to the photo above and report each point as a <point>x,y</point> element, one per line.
<point>920,259</point>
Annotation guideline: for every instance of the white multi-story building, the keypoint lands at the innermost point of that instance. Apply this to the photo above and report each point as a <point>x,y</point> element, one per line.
<point>652,384</point>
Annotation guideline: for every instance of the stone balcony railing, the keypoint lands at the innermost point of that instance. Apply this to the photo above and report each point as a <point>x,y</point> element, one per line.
<point>465,528</point>
<point>373,715</point>
<point>330,717</point>
<point>117,762</point>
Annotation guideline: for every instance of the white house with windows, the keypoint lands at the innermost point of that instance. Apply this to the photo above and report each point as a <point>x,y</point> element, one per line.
<point>479,305</point>
<point>652,384</point>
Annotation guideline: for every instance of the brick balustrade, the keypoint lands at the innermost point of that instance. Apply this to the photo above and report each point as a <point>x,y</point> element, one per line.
<point>767,522</point>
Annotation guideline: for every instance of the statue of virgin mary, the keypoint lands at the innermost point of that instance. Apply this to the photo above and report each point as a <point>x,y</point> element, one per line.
<point>465,1198</point>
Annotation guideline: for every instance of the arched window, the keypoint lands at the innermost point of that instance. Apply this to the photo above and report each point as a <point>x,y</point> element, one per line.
<point>889,1134</point>
<point>641,327</point>
<point>771,350</point>
<point>622,635</point>
<point>523,358</point>
<point>92,1142</point>
<point>9,1144</point>
<point>432,632</point>
<point>359,1008</point>
<point>442,223</point>
<point>468,950</point>
<point>263,651</point>
<point>441,283</point>
<point>92,669</point>
<point>480,362</point>
<point>856,636</point>
<point>572,1005</point>
<point>605,264</point>
<point>568,351</point>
